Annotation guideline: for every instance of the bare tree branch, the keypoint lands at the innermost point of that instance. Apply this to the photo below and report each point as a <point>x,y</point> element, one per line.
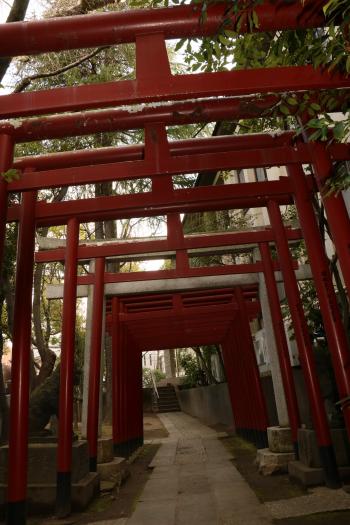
<point>85,6</point>
<point>25,82</point>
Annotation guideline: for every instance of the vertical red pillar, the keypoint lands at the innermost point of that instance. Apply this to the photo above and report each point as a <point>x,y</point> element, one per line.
<point>21,345</point>
<point>120,390</point>
<point>336,336</point>
<point>139,392</point>
<point>259,414</point>
<point>337,214</point>
<point>306,356</point>
<point>6,156</point>
<point>95,362</point>
<point>115,370</point>
<point>65,413</point>
<point>130,400</point>
<point>281,343</point>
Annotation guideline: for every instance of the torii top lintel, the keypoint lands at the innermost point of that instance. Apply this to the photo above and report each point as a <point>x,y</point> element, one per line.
<point>57,34</point>
<point>154,81</point>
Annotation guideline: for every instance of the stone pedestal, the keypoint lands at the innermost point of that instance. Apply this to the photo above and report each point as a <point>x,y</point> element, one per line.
<point>112,470</point>
<point>308,469</point>
<point>273,462</point>
<point>311,476</point>
<point>42,476</point>
<point>280,439</point>
<point>105,450</point>
<point>308,448</point>
<point>275,459</point>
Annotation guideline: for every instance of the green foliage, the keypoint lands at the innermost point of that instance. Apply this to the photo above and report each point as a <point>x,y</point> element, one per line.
<point>147,377</point>
<point>340,180</point>
<point>10,175</point>
<point>197,366</point>
<point>194,375</point>
<point>326,48</point>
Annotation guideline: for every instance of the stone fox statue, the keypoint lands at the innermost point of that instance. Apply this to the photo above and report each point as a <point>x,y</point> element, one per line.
<point>43,403</point>
<point>44,400</point>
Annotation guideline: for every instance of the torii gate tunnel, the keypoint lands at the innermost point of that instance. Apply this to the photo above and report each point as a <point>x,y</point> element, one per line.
<point>205,314</point>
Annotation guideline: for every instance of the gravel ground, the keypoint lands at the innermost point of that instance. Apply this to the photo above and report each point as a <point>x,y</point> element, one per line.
<point>320,499</point>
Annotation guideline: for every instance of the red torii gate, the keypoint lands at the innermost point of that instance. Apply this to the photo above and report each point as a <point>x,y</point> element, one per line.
<point>159,160</point>
<point>152,321</point>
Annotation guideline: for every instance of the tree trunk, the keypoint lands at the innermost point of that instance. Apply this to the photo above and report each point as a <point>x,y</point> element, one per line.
<point>47,356</point>
<point>17,13</point>
<point>4,411</point>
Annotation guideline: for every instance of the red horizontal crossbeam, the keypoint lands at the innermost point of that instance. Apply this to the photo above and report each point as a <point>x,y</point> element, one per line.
<point>172,274</point>
<point>107,120</point>
<point>176,324</point>
<point>87,252</point>
<point>204,271</point>
<point>228,311</point>
<point>136,152</point>
<point>130,299</point>
<point>266,152</point>
<point>231,196</point>
<point>68,159</point>
<point>249,290</point>
<point>129,170</point>
<point>199,315</point>
<point>178,87</point>
<point>28,38</point>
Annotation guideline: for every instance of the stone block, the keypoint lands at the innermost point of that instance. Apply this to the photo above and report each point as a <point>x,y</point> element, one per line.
<point>105,450</point>
<point>42,462</point>
<point>280,439</point>
<point>42,496</point>
<point>308,448</point>
<point>112,469</point>
<point>84,491</point>
<point>273,462</point>
<point>309,476</point>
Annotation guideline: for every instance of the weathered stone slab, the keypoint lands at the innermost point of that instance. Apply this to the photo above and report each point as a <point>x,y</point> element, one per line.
<point>42,462</point>
<point>105,450</point>
<point>273,462</point>
<point>309,476</point>
<point>42,496</point>
<point>308,448</point>
<point>112,469</point>
<point>280,439</point>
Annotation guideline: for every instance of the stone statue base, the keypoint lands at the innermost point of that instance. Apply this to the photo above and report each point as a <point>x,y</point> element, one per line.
<point>42,452</point>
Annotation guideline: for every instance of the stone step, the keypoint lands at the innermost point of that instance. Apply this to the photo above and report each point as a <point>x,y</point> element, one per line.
<point>311,476</point>
<point>166,401</point>
<point>167,407</point>
<point>168,410</point>
<point>115,470</point>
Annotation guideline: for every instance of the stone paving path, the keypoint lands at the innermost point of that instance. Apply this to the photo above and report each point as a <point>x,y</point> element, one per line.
<point>194,481</point>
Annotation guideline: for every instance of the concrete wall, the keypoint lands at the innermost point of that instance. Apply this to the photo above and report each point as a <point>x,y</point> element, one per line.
<point>211,403</point>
